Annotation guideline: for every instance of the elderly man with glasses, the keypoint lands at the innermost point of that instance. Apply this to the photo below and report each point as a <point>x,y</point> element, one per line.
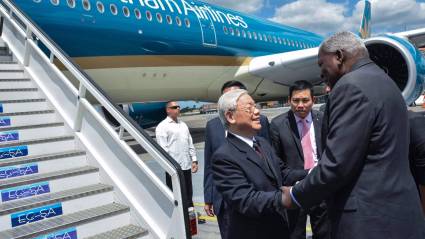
<point>248,174</point>
<point>174,137</point>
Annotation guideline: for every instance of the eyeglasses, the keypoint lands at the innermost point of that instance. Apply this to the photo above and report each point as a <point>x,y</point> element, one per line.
<point>250,109</point>
<point>174,107</point>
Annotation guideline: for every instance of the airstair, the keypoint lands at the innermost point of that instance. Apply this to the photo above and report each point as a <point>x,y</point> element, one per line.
<point>64,171</point>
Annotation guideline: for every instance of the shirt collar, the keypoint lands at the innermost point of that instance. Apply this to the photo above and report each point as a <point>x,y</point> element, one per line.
<point>309,118</point>
<point>249,141</point>
<point>170,120</point>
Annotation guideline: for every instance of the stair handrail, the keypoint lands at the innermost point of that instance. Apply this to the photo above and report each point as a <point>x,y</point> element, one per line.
<point>171,166</point>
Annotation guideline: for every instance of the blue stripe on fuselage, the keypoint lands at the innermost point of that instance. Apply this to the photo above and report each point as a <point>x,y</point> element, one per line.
<point>89,33</point>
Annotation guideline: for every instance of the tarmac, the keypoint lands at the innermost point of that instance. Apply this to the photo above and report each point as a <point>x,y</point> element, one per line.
<point>197,123</point>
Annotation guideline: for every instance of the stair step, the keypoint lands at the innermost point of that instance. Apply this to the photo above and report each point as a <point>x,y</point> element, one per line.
<point>19,93</point>
<point>26,166</point>
<point>19,74</point>
<point>96,216</point>
<point>32,132</point>
<point>35,147</point>
<point>51,198</point>
<point>18,119</point>
<point>15,83</point>
<point>127,232</point>
<point>32,179</point>
<point>24,105</point>
<point>10,66</point>
<point>6,58</point>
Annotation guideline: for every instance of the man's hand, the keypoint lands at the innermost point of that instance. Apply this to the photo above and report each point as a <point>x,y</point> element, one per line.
<point>286,198</point>
<point>194,166</point>
<point>209,209</point>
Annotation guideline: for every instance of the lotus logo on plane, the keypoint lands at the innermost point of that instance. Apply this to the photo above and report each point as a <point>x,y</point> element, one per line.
<point>17,171</point>
<point>13,152</point>
<point>25,191</point>
<point>9,136</point>
<point>36,214</point>
<point>70,233</point>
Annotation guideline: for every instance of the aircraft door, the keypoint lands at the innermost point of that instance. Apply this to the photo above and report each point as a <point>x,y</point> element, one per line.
<point>209,38</point>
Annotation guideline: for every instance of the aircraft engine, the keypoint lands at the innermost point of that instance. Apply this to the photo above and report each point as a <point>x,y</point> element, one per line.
<point>402,61</point>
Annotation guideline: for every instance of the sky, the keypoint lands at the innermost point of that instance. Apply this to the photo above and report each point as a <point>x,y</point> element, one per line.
<point>328,16</point>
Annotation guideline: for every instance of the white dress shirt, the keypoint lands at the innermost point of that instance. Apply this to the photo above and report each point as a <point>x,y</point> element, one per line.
<point>175,139</point>
<point>310,124</point>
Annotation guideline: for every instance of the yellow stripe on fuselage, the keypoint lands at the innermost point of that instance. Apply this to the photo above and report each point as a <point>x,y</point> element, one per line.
<point>106,62</point>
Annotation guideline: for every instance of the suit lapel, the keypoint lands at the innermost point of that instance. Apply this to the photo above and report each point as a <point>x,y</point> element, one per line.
<point>292,124</point>
<point>269,161</point>
<point>250,153</point>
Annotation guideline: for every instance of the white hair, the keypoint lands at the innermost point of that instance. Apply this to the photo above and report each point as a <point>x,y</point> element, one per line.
<point>228,102</point>
<point>346,41</point>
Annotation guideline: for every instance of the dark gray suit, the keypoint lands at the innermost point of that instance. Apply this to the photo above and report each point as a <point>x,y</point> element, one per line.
<point>250,186</point>
<point>364,169</point>
<point>287,143</point>
<point>417,147</point>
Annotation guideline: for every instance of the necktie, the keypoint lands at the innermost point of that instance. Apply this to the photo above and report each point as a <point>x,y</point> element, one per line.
<point>307,147</point>
<point>258,149</point>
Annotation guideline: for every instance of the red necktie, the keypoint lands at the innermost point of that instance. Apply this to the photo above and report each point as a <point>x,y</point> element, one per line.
<point>307,146</point>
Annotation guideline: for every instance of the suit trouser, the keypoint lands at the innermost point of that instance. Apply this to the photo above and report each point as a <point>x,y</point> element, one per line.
<point>188,183</point>
<point>318,220</point>
<point>223,221</point>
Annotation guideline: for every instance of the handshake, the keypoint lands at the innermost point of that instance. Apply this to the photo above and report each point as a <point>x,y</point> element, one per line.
<point>287,201</point>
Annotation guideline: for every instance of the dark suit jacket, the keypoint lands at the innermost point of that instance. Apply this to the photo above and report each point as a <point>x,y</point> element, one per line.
<point>250,188</point>
<point>287,141</point>
<point>364,169</point>
<point>214,138</point>
<point>417,146</point>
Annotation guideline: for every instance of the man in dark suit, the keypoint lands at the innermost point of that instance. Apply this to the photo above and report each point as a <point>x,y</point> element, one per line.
<point>364,169</point>
<point>214,137</point>
<point>417,152</point>
<point>248,174</point>
<point>300,148</point>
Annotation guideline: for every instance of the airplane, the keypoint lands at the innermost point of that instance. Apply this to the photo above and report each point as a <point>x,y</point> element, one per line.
<point>157,50</point>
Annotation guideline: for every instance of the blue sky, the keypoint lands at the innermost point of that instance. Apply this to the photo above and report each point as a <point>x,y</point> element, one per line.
<point>328,16</point>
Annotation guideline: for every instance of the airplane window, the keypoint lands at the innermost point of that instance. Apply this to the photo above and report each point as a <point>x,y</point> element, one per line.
<point>178,21</point>
<point>249,35</point>
<point>100,7</point>
<point>187,22</point>
<point>265,37</point>
<point>125,11</point>
<point>255,35</point>
<point>137,13</point>
<point>270,38</point>
<point>71,3</point>
<point>296,44</point>
<point>86,5</point>
<point>225,30</point>
<point>274,39</point>
<point>280,40</point>
<point>113,9</point>
<point>36,1</point>
<point>169,19</point>
<point>260,37</point>
<point>243,33</point>
<point>149,15</point>
<point>159,17</point>
<point>55,2</point>
<point>238,33</point>
<point>231,31</point>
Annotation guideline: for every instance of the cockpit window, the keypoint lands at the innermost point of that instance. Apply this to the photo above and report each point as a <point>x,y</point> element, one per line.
<point>113,9</point>
<point>125,11</point>
<point>86,5</point>
<point>100,7</point>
